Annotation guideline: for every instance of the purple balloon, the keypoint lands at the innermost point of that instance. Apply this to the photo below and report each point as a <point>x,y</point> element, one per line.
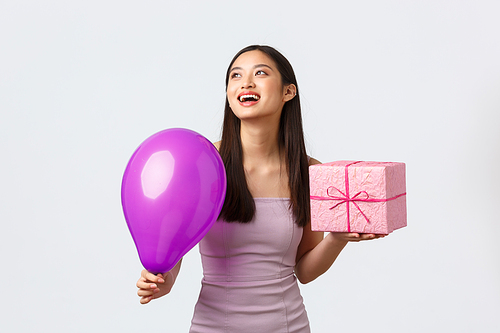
<point>173,190</point>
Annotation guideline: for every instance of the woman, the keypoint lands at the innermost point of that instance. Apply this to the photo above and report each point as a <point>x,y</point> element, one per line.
<point>262,242</point>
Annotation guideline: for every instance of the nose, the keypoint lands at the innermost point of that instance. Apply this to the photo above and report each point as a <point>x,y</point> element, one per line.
<point>248,83</point>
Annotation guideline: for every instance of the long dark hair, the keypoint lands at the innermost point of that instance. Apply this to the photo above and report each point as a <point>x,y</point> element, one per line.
<point>239,205</point>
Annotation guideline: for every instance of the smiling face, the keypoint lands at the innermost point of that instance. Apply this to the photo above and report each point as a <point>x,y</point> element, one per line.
<point>255,88</point>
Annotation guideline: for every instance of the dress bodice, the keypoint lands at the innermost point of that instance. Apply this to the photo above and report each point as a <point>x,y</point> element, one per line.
<point>248,282</point>
<point>264,248</point>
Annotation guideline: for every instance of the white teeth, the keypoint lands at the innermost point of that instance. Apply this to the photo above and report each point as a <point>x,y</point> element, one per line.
<point>244,97</point>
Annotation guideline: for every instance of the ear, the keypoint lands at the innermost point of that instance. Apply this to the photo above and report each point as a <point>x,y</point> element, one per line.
<point>289,92</point>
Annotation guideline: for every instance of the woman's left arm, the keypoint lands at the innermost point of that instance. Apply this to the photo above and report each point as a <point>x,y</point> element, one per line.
<point>316,253</point>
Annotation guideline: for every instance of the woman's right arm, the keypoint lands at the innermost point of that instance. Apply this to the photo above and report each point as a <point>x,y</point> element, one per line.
<point>154,286</point>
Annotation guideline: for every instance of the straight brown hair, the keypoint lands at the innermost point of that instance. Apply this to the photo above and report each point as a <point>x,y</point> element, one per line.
<point>239,205</point>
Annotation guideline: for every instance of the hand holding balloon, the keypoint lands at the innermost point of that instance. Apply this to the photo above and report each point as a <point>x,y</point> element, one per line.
<point>154,286</point>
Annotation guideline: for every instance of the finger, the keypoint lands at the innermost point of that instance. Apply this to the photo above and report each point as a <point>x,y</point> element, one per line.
<point>146,293</point>
<point>140,283</point>
<point>161,278</point>
<point>146,300</point>
<point>367,236</point>
<point>146,285</point>
<point>148,276</point>
<point>372,236</point>
<point>152,277</point>
<point>352,237</point>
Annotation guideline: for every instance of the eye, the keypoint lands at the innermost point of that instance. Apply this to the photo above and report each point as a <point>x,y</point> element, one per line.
<point>260,72</point>
<point>235,75</point>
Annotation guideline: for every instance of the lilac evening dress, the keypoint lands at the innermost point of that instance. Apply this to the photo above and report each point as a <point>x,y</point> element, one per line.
<point>248,283</point>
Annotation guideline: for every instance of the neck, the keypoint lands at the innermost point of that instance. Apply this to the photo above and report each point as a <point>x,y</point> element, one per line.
<point>259,143</point>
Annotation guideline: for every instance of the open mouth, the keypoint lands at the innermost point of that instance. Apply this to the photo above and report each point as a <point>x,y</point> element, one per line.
<point>248,98</point>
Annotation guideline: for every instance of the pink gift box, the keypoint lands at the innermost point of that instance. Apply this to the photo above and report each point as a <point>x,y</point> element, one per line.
<point>364,197</point>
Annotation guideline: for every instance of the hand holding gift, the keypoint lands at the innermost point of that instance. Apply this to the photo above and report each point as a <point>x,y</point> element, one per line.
<point>354,236</point>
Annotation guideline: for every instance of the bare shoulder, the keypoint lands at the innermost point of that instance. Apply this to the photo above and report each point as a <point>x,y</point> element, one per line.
<point>217,145</point>
<point>312,161</point>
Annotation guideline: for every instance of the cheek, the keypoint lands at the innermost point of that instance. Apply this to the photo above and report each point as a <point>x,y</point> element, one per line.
<point>277,94</point>
<point>230,96</point>
<point>230,91</point>
<point>276,89</point>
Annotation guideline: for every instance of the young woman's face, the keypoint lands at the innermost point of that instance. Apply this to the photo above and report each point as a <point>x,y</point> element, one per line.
<point>254,87</point>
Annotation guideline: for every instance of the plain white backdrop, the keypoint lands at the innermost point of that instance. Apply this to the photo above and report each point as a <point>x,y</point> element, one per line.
<point>83,83</point>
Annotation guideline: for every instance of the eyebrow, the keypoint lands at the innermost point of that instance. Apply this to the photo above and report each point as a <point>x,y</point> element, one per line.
<point>255,66</point>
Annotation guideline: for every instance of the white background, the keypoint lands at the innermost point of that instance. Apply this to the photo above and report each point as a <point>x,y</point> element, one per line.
<point>83,83</point>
